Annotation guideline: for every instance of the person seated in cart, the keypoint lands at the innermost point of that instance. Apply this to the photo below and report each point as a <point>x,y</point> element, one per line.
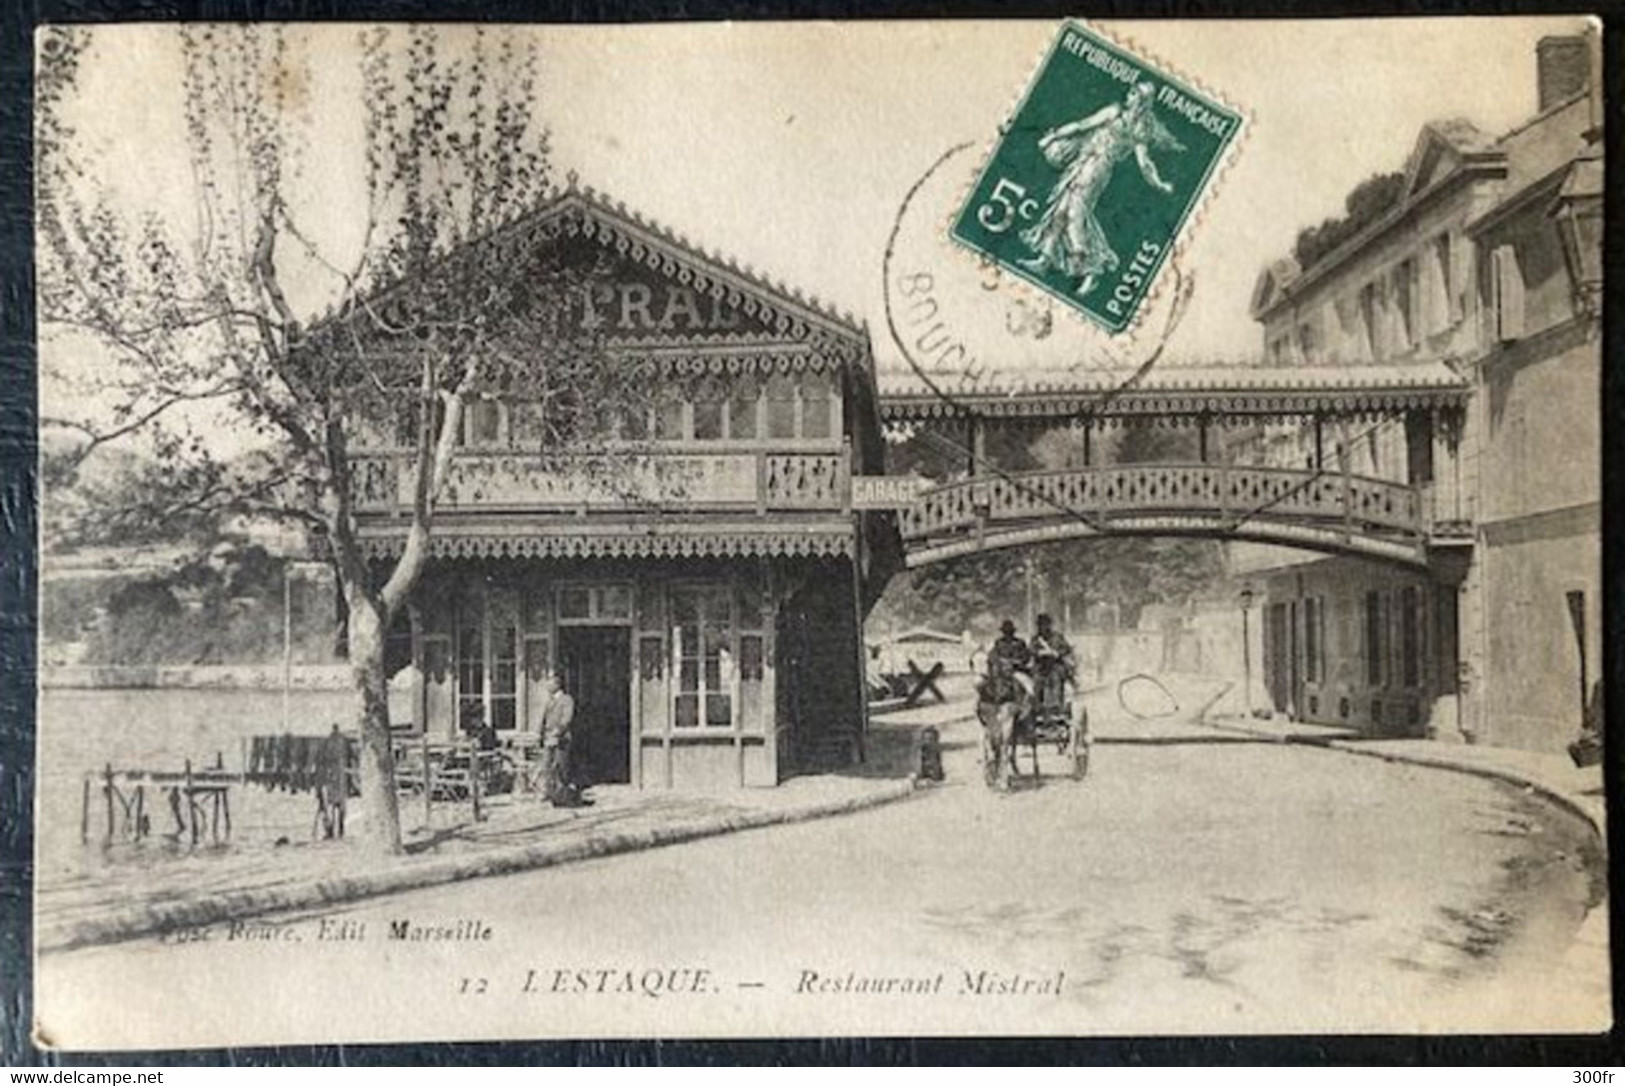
<point>1053,663</point>
<point>1009,651</point>
<point>1008,659</point>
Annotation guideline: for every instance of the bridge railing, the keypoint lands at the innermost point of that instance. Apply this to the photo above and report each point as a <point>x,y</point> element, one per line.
<point>1226,491</point>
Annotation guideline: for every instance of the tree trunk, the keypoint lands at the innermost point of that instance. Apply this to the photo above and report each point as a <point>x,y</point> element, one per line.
<point>380,822</point>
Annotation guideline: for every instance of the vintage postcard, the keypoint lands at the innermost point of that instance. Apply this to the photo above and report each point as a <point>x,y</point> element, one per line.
<point>768,530</point>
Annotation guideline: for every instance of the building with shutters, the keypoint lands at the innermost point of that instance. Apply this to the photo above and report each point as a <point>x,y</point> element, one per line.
<point>1486,261</point>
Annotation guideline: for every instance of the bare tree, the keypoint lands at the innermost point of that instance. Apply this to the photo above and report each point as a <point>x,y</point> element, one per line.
<point>441,302</point>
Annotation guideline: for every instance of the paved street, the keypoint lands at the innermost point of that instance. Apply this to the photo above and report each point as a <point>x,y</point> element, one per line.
<point>1213,884</point>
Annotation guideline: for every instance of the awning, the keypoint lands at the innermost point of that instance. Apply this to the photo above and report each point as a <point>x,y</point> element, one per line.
<point>1182,391</point>
<point>528,538</point>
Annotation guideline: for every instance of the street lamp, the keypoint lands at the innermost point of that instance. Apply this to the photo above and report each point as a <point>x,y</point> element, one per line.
<point>1577,212</point>
<point>1246,651</point>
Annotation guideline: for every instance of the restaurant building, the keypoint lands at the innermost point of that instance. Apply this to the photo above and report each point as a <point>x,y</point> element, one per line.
<point>703,599</point>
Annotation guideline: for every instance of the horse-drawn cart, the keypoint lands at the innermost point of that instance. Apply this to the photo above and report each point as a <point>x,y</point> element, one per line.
<point>1038,714</point>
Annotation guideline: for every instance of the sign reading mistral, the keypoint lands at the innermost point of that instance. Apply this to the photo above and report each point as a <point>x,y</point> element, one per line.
<point>1095,175</point>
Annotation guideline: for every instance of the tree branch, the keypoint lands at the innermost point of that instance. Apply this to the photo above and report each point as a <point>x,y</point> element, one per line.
<point>435,452</point>
<point>98,438</point>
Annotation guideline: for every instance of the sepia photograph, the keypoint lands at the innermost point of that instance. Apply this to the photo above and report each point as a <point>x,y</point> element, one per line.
<point>1054,528</point>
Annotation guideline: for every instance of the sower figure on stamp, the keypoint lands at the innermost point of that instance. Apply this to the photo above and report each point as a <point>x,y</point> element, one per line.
<point>557,720</point>
<point>1068,236</point>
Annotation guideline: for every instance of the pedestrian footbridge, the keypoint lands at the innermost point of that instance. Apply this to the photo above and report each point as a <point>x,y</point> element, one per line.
<point>1334,513</point>
<point>1235,489</point>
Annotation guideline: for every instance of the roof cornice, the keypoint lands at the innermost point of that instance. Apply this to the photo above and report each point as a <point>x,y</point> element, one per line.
<point>1474,165</point>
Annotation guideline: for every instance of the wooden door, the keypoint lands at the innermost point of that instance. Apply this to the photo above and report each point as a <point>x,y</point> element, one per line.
<point>1276,651</point>
<point>595,663</point>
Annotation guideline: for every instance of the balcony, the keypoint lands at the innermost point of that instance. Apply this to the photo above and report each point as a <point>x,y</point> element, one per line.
<point>782,478</point>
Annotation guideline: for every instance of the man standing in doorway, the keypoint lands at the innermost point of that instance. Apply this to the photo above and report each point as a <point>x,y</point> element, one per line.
<point>557,719</point>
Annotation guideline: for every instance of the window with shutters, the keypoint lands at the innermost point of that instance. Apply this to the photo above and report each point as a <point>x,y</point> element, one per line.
<point>1369,338</point>
<point>781,406</point>
<point>1407,300</point>
<point>1506,293</point>
<point>1410,636</point>
<point>1446,290</point>
<point>1314,639</point>
<point>1309,340</point>
<point>710,411</point>
<point>1375,641</point>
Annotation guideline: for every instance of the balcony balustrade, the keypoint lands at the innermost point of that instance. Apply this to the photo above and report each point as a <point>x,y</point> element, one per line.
<point>809,477</point>
<point>1225,493</point>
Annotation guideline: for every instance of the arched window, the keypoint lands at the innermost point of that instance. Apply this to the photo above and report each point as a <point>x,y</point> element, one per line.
<point>781,407</point>
<point>710,402</point>
<point>815,407</point>
<point>669,424</point>
<point>483,422</point>
<point>742,409</point>
<point>525,424</point>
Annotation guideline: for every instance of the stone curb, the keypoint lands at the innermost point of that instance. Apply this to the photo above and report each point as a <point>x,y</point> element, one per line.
<point>1595,818</point>
<point>1264,735</point>
<point>222,907</point>
<point>1594,815</point>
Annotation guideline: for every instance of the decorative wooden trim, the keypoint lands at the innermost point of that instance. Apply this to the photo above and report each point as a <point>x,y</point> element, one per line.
<point>526,543</point>
<point>1109,409</point>
<point>586,212</point>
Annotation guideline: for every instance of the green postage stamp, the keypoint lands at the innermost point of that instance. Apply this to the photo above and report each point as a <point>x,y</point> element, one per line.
<point>1094,177</point>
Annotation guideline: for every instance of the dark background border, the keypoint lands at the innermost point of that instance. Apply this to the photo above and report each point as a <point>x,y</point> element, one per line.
<point>18,557</point>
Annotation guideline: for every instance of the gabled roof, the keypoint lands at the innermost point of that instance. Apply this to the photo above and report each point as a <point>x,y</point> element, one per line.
<point>1273,282</point>
<point>576,211</point>
<point>590,212</point>
<point>1441,148</point>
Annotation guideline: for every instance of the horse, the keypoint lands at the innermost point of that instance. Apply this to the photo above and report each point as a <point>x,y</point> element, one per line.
<point>1001,718</point>
<point>1036,714</point>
